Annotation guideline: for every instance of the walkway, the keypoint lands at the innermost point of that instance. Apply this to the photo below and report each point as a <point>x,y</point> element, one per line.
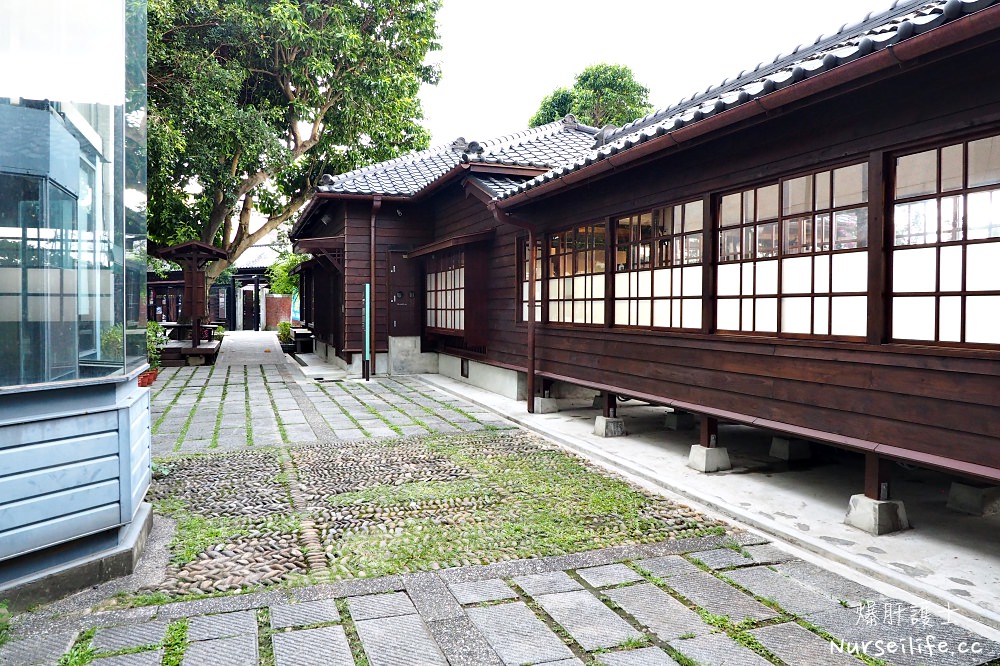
<point>387,522</point>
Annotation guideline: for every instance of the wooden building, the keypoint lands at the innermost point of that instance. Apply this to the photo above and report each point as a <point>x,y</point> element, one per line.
<point>811,247</point>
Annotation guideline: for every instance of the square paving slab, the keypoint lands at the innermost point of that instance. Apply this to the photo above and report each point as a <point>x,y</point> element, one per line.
<point>718,650</point>
<point>480,591</point>
<point>651,656</point>
<point>795,645</point>
<point>719,598</point>
<point>609,574</point>
<point>667,566</point>
<point>207,627</point>
<point>138,659</point>
<point>547,583</point>
<point>788,594</point>
<point>299,615</point>
<point>722,558</point>
<point>591,624</point>
<point>517,635</point>
<point>661,613</point>
<point>113,639</point>
<point>395,641</point>
<point>373,606</point>
<point>235,651</point>
<point>325,646</point>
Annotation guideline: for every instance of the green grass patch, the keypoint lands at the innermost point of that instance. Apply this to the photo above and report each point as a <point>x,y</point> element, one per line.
<point>82,652</point>
<point>175,643</point>
<point>357,650</point>
<point>418,491</point>
<point>218,416</point>
<point>246,406</point>
<point>4,623</point>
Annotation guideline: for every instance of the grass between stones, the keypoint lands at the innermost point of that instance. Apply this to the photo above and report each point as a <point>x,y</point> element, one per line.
<point>342,409</point>
<point>220,412</point>
<point>182,435</point>
<point>175,643</point>
<point>357,650</point>
<point>170,406</point>
<point>246,406</point>
<point>4,622</point>
<point>277,414</point>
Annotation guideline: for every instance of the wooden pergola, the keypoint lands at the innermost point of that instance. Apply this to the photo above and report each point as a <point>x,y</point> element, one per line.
<point>193,257</point>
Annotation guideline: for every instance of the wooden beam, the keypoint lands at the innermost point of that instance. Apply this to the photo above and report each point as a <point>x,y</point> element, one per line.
<point>877,476</point>
<point>532,244</point>
<point>454,241</point>
<point>879,243</point>
<point>709,432</point>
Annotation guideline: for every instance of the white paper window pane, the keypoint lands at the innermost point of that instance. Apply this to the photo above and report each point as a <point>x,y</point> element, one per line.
<point>984,161</point>
<point>645,315</point>
<point>661,313</point>
<point>796,275</point>
<point>821,280</point>
<point>983,267</point>
<point>850,272</point>
<point>767,277</point>
<point>951,268</point>
<point>645,287</point>
<point>692,313</point>
<point>676,287</point>
<point>727,314</point>
<point>597,286</point>
<point>675,309</point>
<point>554,312</point>
<point>914,270</point>
<point>821,315</point>
<point>661,283</point>
<point>621,285</point>
<point>692,281</point>
<point>598,312</point>
<point>461,320</point>
<point>728,277</point>
<point>746,306</point>
<point>580,285</point>
<point>633,312</point>
<point>568,291</point>
<point>538,291</point>
<point>950,323</point>
<point>580,312</point>
<point>766,319</point>
<point>796,315</point>
<point>982,319</point>
<point>524,312</point>
<point>568,311</point>
<point>850,315</point>
<point>913,318</point>
<point>747,269</point>
<point>916,174</point>
<point>524,292</point>
<point>555,289</point>
<point>621,312</point>
<point>850,185</point>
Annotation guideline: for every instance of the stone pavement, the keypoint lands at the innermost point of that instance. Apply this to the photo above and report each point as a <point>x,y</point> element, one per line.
<point>283,452</point>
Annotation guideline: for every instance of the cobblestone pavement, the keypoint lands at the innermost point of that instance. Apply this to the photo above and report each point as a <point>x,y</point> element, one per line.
<point>500,548</point>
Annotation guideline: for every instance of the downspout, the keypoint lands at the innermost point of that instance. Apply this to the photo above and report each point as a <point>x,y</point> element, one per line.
<point>506,218</point>
<point>376,205</point>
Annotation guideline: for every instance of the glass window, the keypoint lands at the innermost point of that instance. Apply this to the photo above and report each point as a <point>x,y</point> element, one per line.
<point>445,291</point>
<point>578,297</point>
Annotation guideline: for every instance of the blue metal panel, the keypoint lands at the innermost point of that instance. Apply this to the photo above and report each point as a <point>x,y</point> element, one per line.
<point>22,459</point>
<point>67,502</point>
<point>51,429</point>
<point>58,530</point>
<point>43,481</point>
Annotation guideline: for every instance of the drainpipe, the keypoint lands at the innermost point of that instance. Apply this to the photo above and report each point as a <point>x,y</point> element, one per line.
<point>376,205</point>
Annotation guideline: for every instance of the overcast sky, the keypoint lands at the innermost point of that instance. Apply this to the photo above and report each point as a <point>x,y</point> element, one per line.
<point>500,57</point>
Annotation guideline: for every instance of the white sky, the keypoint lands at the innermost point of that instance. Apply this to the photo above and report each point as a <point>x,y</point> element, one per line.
<point>499,58</point>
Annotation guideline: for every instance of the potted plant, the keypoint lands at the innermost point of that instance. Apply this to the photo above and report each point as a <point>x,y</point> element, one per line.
<point>156,340</point>
<point>285,337</point>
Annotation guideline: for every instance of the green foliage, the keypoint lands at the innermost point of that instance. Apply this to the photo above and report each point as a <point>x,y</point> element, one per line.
<point>81,653</point>
<point>284,332</point>
<point>4,623</point>
<point>279,273</point>
<point>175,642</point>
<point>250,101</point>
<point>602,95</point>
<point>113,342</point>
<point>156,340</point>
<point>553,107</point>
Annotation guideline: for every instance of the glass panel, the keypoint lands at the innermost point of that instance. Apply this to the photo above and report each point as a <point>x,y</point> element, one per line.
<point>729,245</point>
<point>821,281</point>
<point>692,280</point>
<point>822,190</point>
<point>823,235</point>
<point>730,213</point>
<point>728,277</point>
<point>767,277</point>
<point>951,268</point>
<point>748,243</point>
<point>767,239</point>
<point>766,317</point>
<point>767,202</point>
<point>748,281</point>
<point>850,229</point>
<point>748,206</point>
<point>597,286</point>
<point>914,270</point>
<point>797,196</point>
<point>645,226</point>
<point>661,283</point>
<point>984,214</point>
<point>982,274</point>
<point>850,272</point>
<point>850,315</point>
<point>951,168</point>
<point>645,313</point>
<point>984,161</point>
<point>692,249</point>
<point>694,214</point>
<point>797,235</point>
<point>645,284</point>
<point>915,223</point>
<point>821,315</point>
<point>796,275</point>
<point>913,318</point>
<point>692,313</point>
<point>728,314</point>
<point>663,253</point>
<point>597,312</point>
<point>950,323</point>
<point>661,313</point>
<point>746,306</point>
<point>850,185</point>
<point>796,315</point>
<point>20,213</point>
<point>951,218</point>
<point>665,220</point>
<point>621,285</point>
<point>916,174</point>
<point>645,251</point>
<point>981,319</point>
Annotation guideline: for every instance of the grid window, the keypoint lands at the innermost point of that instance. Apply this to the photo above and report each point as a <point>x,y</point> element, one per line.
<point>524,270</point>
<point>445,292</point>
<point>793,256</point>
<point>946,244</point>
<point>658,271</point>
<point>576,275</point>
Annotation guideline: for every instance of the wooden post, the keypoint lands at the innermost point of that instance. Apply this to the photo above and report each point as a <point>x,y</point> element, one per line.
<point>372,339</point>
<point>609,408</point>
<point>709,432</point>
<point>532,242</point>
<point>877,477</point>
<point>879,245</point>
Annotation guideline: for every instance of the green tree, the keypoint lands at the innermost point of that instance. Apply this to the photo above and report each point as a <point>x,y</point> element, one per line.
<point>251,101</point>
<point>279,275</point>
<point>553,107</point>
<point>602,95</point>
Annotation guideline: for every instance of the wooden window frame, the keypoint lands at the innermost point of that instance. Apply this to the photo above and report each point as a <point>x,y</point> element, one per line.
<point>521,305</point>
<point>444,293</point>
<point>565,258</point>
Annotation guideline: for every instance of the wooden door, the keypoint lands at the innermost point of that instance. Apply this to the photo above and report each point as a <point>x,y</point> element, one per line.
<point>404,295</point>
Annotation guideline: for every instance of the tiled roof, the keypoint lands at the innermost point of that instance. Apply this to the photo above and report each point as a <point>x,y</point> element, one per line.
<point>543,147</point>
<point>905,19</point>
<point>498,185</point>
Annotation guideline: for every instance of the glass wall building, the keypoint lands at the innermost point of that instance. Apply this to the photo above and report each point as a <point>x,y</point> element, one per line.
<point>72,273</point>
